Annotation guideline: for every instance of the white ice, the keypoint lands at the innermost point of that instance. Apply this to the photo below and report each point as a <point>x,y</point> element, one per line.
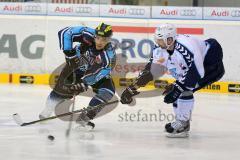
<point>215,130</point>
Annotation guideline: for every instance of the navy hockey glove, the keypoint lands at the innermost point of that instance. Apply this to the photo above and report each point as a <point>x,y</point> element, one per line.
<point>128,93</point>
<point>173,91</point>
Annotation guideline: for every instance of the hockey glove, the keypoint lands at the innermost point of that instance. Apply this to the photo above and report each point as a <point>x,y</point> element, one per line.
<point>128,93</point>
<point>76,60</point>
<point>173,91</point>
<point>71,58</point>
<point>79,87</point>
<point>76,88</point>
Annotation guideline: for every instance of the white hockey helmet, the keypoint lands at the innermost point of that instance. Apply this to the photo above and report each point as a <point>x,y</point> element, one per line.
<point>164,32</point>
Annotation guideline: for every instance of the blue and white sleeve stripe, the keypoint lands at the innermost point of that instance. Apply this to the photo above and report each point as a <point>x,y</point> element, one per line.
<point>61,37</point>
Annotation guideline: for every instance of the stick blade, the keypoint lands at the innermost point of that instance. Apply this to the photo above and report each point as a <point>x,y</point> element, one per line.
<point>17,119</point>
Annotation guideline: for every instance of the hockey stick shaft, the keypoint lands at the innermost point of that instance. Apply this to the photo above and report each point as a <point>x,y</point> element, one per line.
<point>67,133</point>
<point>68,113</point>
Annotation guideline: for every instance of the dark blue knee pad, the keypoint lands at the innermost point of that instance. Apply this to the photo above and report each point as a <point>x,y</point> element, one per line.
<point>103,96</point>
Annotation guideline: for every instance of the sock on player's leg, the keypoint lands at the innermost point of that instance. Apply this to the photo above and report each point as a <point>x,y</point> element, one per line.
<point>182,109</point>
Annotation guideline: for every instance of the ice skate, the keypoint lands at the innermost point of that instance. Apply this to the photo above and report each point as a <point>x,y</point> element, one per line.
<point>177,129</point>
<point>84,122</point>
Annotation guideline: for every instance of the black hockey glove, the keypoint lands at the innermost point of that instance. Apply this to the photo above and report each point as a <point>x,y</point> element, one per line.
<point>128,93</point>
<point>76,88</point>
<point>173,91</point>
<point>71,58</point>
<point>75,59</point>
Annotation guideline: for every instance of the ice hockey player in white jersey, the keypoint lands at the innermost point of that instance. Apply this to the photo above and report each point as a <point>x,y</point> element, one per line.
<point>194,63</point>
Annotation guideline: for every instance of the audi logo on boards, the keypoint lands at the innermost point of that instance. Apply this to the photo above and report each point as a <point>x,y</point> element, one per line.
<point>235,13</point>
<point>85,10</point>
<point>136,11</point>
<point>33,8</point>
<point>188,12</point>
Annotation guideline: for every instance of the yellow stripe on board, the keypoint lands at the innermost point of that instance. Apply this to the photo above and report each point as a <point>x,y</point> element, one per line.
<point>30,79</point>
<point>4,78</point>
<point>218,87</point>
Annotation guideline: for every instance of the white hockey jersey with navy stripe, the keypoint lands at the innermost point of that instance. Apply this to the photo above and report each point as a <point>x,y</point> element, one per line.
<point>186,62</point>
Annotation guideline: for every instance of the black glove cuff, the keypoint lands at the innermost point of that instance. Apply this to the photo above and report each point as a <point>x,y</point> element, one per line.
<point>132,90</point>
<point>70,53</point>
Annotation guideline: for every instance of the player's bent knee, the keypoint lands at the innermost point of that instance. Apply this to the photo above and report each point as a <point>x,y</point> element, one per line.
<point>54,95</point>
<point>106,94</point>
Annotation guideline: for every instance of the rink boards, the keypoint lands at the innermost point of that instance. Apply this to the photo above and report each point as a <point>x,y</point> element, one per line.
<point>44,79</point>
<point>30,56</point>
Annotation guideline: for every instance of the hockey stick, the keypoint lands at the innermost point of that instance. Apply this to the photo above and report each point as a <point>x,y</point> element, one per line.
<point>67,133</point>
<point>19,121</point>
<point>71,119</point>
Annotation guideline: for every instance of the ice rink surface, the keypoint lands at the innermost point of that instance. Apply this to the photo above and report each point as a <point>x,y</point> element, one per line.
<point>126,133</point>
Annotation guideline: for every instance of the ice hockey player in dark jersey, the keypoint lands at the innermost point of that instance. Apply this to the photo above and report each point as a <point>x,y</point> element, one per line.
<point>89,63</point>
<point>194,63</point>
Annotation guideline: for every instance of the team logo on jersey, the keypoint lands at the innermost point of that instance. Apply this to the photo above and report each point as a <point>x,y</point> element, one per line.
<point>161,60</point>
<point>174,73</point>
<point>98,59</point>
<point>88,55</point>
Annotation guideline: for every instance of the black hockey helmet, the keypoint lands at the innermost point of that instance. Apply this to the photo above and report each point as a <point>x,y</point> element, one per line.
<point>104,30</point>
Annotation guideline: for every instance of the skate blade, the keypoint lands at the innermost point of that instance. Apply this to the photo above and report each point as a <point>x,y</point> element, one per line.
<point>178,135</point>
